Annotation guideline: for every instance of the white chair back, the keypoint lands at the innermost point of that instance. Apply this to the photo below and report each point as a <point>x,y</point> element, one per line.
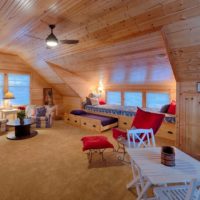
<point>194,190</point>
<point>141,138</point>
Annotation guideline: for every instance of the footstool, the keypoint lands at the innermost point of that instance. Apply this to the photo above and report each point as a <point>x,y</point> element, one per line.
<point>94,144</point>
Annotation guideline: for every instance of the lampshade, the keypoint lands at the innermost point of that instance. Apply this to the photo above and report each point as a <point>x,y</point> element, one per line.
<point>9,95</point>
<point>51,40</point>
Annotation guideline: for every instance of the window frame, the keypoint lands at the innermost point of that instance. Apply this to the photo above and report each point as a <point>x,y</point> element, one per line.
<point>106,96</point>
<point>143,91</point>
<point>157,91</point>
<point>133,91</point>
<point>29,88</point>
<point>6,86</point>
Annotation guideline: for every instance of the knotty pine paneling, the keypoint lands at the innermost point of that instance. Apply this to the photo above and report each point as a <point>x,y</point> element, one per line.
<point>14,64</point>
<point>70,103</point>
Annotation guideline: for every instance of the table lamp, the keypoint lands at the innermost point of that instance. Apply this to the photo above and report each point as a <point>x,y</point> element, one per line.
<point>7,96</point>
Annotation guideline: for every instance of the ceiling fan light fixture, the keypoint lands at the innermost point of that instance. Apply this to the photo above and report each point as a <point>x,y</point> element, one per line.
<point>51,40</point>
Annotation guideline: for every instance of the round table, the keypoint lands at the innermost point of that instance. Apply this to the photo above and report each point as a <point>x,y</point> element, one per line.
<point>22,131</point>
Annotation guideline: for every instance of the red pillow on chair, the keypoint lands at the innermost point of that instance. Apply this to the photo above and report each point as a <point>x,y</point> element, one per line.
<point>172,108</point>
<point>147,120</point>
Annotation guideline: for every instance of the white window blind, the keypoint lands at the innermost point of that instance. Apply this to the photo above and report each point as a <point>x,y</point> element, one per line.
<point>133,99</point>
<point>19,85</point>
<point>113,98</point>
<point>157,100</point>
<point>1,88</point>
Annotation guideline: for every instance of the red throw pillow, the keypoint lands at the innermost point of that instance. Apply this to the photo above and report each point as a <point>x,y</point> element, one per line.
<point>96,142</point>
<point>102,102</point>
<point>147,120</point>
<point>172,108</point>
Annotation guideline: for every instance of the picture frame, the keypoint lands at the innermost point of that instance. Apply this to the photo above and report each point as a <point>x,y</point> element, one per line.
<point>198,86</point>
<point>47,96</point>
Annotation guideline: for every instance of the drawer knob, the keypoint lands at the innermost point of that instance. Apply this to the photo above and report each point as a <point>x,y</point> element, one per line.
<point>170,132</point>
<point>94,126</point>
<point>125,123</point>
<point>75,120</point>
<point>68,119</point>
<point>84,123</point>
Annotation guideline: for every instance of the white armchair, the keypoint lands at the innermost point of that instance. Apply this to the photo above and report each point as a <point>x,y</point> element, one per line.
<point>43,115</point>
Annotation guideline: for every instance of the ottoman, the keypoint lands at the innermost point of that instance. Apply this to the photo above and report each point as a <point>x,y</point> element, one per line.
<point>94,144</point>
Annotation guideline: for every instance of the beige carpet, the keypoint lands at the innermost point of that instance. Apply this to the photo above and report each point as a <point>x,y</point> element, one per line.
<point>52,166</point>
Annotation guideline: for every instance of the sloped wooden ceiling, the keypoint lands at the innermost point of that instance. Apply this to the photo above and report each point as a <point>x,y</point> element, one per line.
<point>115,35</point>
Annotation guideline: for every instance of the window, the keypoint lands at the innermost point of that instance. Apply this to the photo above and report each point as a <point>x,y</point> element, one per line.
<point>114,98</point>
<point>133,99</point>
<point>1,87</point>
<point>157,100</point>
<point>19,85</point>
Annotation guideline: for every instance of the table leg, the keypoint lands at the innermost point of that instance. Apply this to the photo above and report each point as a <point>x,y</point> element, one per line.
<point>136,182</point>
<point>144,190</point>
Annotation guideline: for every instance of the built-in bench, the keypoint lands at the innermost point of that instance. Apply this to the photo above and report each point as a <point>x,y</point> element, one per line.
<point>91,121</point>
<point>125,115</point>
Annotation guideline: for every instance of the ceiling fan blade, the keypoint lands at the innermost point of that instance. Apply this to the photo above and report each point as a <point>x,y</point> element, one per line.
<point>34,37</point>
<point>69,41</point>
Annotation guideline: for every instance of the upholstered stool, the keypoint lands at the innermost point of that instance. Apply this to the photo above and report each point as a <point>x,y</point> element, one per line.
<point>94,144</point>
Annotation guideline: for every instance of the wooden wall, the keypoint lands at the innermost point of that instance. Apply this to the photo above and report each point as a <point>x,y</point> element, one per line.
<point>70,103</point>
<point>188,117</point>
<point>13,64</point>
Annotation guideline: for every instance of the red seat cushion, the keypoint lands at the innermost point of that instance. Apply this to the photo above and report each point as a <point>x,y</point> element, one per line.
<point>172,108</point>
<point>147,120</point>
<point>119,133</point>
<point>96,142</point>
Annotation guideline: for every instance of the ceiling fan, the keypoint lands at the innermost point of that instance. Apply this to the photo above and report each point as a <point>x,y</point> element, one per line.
<point>52,40</point>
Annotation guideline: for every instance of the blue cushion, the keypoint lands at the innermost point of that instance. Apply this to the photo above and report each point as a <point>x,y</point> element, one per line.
<point>41,112</point>
<point>78,112</point>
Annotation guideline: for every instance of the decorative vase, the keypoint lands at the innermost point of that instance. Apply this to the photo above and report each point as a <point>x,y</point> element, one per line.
<point>21,121</point>
<point>168,156</point>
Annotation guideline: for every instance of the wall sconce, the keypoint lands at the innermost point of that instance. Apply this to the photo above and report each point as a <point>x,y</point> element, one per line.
<point>100,88</point>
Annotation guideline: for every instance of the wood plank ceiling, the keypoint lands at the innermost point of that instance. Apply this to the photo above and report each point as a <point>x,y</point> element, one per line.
<point>121,41</point>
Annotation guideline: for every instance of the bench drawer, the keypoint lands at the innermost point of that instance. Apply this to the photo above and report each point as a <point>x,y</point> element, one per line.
<point>125,122</point>
<point>90,124</point>
<point>167,130</point>
<point>66,118</point>
<point>75,120</point>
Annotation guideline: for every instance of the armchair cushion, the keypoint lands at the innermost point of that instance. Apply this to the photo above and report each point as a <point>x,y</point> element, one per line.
<point>41,111</point>
<point>30,110</point>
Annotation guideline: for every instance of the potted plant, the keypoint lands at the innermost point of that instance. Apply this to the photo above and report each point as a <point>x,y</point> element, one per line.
<point>21,114</point>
